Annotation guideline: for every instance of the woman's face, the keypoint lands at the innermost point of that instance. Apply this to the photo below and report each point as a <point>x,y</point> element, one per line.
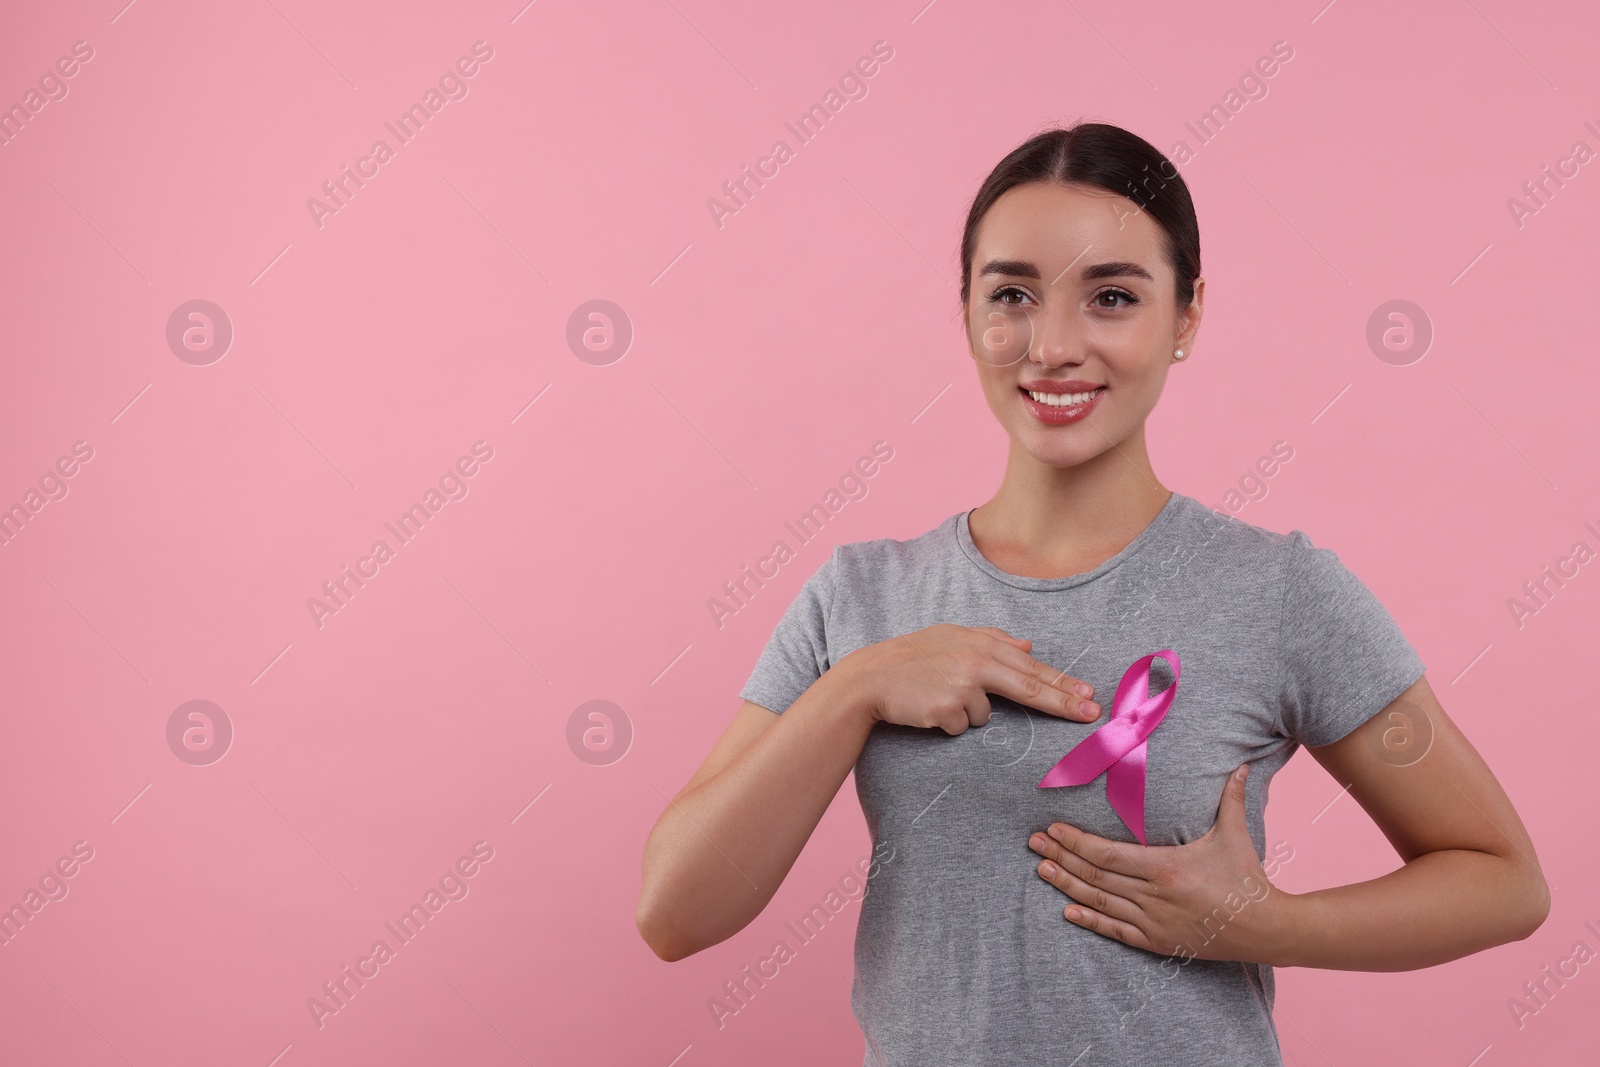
<point>1071,290</point>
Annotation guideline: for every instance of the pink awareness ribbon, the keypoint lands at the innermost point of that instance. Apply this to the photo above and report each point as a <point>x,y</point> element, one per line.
<point>1118,746</point>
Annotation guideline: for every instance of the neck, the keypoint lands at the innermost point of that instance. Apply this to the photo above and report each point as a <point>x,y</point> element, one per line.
<point>1069,518</point>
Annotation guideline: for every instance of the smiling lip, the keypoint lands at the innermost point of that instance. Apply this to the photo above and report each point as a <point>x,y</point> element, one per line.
<point>1051,385</point>
<point>1057,415</point>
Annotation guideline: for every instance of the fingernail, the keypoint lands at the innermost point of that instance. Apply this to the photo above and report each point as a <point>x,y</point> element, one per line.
<point>1083,689</point>
<point>1047,869</point>
<point>1091,709</point>
<point>1055,832</point>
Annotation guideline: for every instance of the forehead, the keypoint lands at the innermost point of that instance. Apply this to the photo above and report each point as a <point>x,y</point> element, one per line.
<point>1052,224</point>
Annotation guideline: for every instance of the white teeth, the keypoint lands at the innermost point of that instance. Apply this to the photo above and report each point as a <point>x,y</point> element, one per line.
<point>1063,400</point>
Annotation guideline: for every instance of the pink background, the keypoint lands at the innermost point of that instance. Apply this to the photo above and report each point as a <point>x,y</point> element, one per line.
<point>431,711</point>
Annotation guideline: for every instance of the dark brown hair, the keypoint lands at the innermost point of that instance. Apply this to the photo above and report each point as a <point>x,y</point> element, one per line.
<point>1110,158</point>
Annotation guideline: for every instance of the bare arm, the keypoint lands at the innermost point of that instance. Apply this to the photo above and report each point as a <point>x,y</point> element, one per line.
<point>727,841</point>
<point>1471,879</point>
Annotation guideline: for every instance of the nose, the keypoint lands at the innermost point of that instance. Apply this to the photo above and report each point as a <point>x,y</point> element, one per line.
<point>1056,341</point>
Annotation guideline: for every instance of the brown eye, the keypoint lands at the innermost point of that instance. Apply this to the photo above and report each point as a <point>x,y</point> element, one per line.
<point>1102,294</point>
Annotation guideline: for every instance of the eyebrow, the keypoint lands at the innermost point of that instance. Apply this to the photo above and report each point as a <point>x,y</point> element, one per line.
<point>1093,272</point>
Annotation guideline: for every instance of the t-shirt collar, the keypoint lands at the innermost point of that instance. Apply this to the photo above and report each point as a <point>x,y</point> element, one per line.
<point>1157,526</point>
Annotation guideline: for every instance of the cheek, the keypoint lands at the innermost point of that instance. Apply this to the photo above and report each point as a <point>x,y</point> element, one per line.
<point>1140,375</point>
<point>997,388</point>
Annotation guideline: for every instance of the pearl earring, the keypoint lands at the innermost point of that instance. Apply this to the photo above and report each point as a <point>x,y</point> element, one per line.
<point>1178,354</point>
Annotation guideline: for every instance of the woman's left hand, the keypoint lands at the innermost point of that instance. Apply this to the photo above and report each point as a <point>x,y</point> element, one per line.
<point>1208,899</point>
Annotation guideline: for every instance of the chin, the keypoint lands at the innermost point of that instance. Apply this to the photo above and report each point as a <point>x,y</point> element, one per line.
<point>1059,452</point>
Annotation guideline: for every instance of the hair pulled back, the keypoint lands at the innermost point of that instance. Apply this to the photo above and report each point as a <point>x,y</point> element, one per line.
<point>1107,157</point>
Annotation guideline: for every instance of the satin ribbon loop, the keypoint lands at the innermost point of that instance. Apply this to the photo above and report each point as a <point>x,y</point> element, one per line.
<point>1118,747</point>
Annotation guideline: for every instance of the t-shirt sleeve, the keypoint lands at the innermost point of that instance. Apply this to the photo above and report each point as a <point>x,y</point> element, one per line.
<point>797,652</point>
<point>1342,657</point>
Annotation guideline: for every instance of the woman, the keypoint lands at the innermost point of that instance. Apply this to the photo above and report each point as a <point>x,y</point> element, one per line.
<point>1016,913</point>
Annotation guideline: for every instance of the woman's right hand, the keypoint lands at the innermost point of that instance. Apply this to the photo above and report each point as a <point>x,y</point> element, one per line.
<point>941,676</point>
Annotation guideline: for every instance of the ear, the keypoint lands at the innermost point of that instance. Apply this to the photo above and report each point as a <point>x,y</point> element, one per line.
<point>1189,318</point>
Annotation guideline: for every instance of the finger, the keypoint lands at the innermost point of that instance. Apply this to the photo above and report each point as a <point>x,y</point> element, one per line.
<point>974,710</point>
<point>1024,679</point>
<point>1029,682</point>
<point>1230,810</point>
<point>979,710</point>
<point>1132,889</point>
<point>1102,852</point>
<point>1094,897</point>
<point>1107,926</point>
<point>1057,679</point>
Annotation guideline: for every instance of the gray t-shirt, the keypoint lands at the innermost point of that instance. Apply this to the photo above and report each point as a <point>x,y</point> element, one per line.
<point>962,953</point>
